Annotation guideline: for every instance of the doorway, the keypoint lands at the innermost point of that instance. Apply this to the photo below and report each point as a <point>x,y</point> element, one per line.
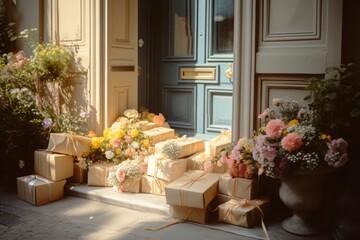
<point>186,64</point>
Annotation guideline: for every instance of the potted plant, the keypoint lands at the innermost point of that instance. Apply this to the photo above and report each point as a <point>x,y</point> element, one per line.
<point>290,147</point>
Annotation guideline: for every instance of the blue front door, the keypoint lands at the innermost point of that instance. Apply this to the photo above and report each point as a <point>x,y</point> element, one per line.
<point>195,52</point>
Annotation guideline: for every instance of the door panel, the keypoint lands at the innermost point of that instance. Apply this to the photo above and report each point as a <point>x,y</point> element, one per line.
<point>121,76</point>
<point>198,47</point>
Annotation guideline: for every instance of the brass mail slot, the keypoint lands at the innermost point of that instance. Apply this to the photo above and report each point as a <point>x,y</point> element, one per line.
<point>197,73</point>
<point>123,68</point>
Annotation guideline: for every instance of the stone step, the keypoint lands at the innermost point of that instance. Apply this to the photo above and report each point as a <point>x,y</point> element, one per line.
<point>142,202</point>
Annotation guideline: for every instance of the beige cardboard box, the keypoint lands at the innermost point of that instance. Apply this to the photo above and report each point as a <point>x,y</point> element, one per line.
<point>219,142</point>
<point>132,185</point>
<point>146,125</point>
<point>194,189</point>
<point>70,144</point>
<point>238,187</point>
<point>188,146</point>
<point>199,215</point>
<point>166,169</point>
<point>243,213</point>
<point>37,190</point>
<point>197,160</point>
<point>80,174</point>
<point>153,185</point>
<point>98,174</point>
<point>53,166</point>
<point>160,134</point>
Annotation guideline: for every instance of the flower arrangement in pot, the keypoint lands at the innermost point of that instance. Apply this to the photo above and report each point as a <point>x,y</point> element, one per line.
<point>290,147</point>
<point>289,140</point>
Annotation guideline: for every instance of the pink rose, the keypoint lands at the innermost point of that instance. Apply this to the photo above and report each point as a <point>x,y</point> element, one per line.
<point>120,175</point>
<point>291,142</point>
<point>115,143</point>
<point>128,138</point>
<point>264,114</point>
<point>274,128</point>
<point>159,120</point>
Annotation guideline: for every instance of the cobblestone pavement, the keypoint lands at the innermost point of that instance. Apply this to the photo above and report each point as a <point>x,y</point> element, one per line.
<point>78,218</point>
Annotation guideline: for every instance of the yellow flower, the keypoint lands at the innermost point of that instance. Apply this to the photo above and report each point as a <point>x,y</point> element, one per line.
<point>145,142</point>
<point>293,122</point>
<point>325,137</point>
<point>95,142</point>
<point>134,133</point>
<point>248,162</point>
<point>150,116</point>
<point>106,132</point>
<point>117,151</point>
<point>248,148</point>
<point>120,133</point>
<point>285,132</point>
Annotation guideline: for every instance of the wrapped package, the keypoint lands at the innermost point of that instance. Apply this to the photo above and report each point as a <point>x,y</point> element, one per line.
<point>243,213</point>
<point>70,144</point>
<point>188,146</point>
<point>153,185</point>
<point>131,185</point>
<point>160,134</point>
<point>166,169</point>
<point>38,190</point>
<point>194,189</point>
<point>220,142</point>
<point>238,187</point>
<point>198,215</point>
<point>197,160</point>
<point>53,166</point>
<point>80,174</point>
<point>98,174</point>
<point>146,125</point>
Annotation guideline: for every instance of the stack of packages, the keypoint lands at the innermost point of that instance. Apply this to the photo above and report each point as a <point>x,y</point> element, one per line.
<point>238,203</point>
<point>52,168</point>
<point>237,200</point>
<point>163,167</point>
<point>190,195</point>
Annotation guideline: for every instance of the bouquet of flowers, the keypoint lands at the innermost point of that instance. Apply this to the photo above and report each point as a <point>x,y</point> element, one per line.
<point>130,169</point>
<point>289,140</point>
<point>240,160</point>
<point>122,141</point>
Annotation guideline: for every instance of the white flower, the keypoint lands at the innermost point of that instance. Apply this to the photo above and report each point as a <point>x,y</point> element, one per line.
<point>109,154</point>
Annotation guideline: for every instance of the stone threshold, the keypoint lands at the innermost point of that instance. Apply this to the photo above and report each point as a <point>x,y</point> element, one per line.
<point>151,203</point>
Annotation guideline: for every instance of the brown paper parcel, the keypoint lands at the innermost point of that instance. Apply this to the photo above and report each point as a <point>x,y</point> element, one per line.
<point>37,190</point>
<point>80,174</point>
<point>188,146</point>
<point>197,160</point>
<point>238,187</point>
<point>199,215</point>
<point>153,185</point>
<point>132,185</point>
<point>243,213</point>
<point>166,169</point>
<point>98,174</point>
<point>160,134</point>
<point>53,166</point>
<point>220,142</point>
<point>146,125</point>
<point>70,144</point>
<point>194,189</point>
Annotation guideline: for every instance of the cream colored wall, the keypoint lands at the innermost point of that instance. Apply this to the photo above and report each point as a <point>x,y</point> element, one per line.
<point>280,45</point>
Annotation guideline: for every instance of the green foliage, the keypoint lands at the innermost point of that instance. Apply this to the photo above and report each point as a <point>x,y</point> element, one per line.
<point>335,100</point>
<point>35,99</point>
